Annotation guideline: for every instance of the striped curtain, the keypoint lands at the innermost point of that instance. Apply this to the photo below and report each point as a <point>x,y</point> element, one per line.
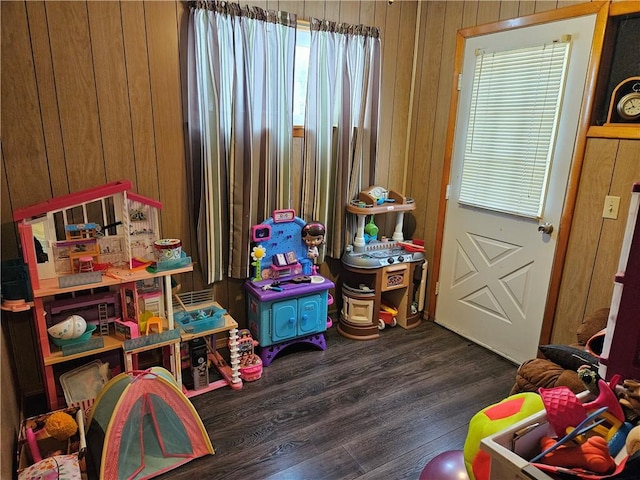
<point>240,100</point>
<point>341,125</point>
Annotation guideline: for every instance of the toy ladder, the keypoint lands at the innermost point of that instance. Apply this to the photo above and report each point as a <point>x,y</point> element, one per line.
<point>103,319</point>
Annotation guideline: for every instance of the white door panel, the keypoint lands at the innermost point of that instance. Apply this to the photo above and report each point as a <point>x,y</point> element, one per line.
<point>496,267</point>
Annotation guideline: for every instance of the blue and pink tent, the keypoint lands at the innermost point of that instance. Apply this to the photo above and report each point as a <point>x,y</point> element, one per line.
<point>141,426</point>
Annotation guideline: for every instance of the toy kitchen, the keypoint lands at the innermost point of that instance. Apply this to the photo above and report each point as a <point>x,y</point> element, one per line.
<point>385,278</point>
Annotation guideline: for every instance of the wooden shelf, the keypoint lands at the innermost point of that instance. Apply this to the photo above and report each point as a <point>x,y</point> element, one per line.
<point>630,131</point>
<point>617,65</point>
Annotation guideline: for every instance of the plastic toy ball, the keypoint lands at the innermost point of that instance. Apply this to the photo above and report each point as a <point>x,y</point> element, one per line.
<point>446,466</point>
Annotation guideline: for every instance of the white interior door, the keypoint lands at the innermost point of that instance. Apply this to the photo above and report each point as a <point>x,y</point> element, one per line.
<point>496,266</point>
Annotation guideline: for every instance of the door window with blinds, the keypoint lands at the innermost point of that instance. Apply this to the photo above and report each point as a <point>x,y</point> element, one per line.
<point>515,105</point>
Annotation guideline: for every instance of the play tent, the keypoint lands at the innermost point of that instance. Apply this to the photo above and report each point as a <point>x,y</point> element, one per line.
<point>142,425</point>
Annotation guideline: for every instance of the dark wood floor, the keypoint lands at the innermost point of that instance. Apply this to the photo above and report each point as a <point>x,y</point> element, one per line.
<point>378,409</point>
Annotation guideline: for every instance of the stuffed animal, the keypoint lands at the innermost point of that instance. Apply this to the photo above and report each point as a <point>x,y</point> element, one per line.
<point>633,440</point>
<point>630,398</point>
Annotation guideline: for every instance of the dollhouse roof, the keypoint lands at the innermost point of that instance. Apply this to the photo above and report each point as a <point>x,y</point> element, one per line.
<point>83,196</point>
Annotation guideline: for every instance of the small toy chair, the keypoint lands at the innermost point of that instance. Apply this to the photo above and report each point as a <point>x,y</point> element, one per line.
<point>85,264</point>
<point>154,322</point>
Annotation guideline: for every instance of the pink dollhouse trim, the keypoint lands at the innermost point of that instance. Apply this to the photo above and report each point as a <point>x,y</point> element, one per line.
<point>147,201</point>
<point>83,196</point>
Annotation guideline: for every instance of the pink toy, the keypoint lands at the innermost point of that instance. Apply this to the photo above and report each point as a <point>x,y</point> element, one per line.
<point>126,329</point>
<point>563,408</point>
<point>607,398</point>
<point>33,445</point>
<point>250,363</point>
<point>446,466</point>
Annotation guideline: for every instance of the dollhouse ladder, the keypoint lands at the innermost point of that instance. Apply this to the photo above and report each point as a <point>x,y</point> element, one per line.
<point>103,319</point>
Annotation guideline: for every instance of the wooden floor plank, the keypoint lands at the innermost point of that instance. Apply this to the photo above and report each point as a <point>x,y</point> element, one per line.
<point>359,409</point>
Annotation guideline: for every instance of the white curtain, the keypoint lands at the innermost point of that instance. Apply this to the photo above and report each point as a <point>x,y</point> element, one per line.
<point>240,97</point>
<point>341,124</point>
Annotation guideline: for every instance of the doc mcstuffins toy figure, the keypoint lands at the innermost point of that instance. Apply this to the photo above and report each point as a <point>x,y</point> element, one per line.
<point>313,236</point>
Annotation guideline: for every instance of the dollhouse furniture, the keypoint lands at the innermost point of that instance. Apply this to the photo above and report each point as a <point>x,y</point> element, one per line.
<point>381,271</point>
<point>83,246</point>
<point>285,309</point>
<point>127,241</point>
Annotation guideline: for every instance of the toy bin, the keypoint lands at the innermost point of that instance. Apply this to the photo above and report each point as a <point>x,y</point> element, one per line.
<point>200,320</point>
<point>75,446</point>
<point>250,367</point>
<point>510,448</point>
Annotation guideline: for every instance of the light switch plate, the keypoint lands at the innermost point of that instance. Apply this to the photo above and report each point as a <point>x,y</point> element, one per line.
<point>611,206</point>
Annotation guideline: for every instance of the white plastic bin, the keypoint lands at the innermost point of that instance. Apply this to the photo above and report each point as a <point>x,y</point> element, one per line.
<point>508,465</point>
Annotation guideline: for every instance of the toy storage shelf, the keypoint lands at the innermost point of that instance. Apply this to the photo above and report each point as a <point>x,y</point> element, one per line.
<point>230,373</point>
<point>112,279</point>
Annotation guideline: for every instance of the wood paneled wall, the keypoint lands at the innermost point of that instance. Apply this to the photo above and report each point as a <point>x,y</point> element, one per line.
<point>610,167</point>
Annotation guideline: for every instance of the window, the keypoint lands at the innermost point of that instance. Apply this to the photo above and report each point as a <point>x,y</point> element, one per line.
<point>515,105</point>
<point>303,46</point>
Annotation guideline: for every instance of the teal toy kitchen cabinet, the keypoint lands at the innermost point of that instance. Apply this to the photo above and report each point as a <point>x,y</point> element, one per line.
<point>296,313</point>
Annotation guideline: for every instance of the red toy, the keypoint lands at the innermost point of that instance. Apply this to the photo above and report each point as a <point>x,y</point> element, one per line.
<point>592,455</point>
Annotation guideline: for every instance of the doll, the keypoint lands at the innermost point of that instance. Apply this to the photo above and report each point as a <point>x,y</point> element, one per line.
<point>313,236</point>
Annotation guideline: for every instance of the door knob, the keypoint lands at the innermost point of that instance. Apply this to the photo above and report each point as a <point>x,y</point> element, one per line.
<point>545,228</point>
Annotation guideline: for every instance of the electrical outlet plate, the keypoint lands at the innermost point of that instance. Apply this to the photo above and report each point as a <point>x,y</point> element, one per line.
<point>611,206</point>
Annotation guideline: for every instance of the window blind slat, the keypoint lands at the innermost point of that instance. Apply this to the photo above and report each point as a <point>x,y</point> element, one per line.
<point>512,124</point>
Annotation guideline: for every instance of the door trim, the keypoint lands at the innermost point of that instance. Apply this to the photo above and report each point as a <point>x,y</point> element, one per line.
<point>601,9</point>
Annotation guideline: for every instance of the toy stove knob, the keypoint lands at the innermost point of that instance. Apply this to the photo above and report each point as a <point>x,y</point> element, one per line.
<point>401,258</point>
<point>390,260</point>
